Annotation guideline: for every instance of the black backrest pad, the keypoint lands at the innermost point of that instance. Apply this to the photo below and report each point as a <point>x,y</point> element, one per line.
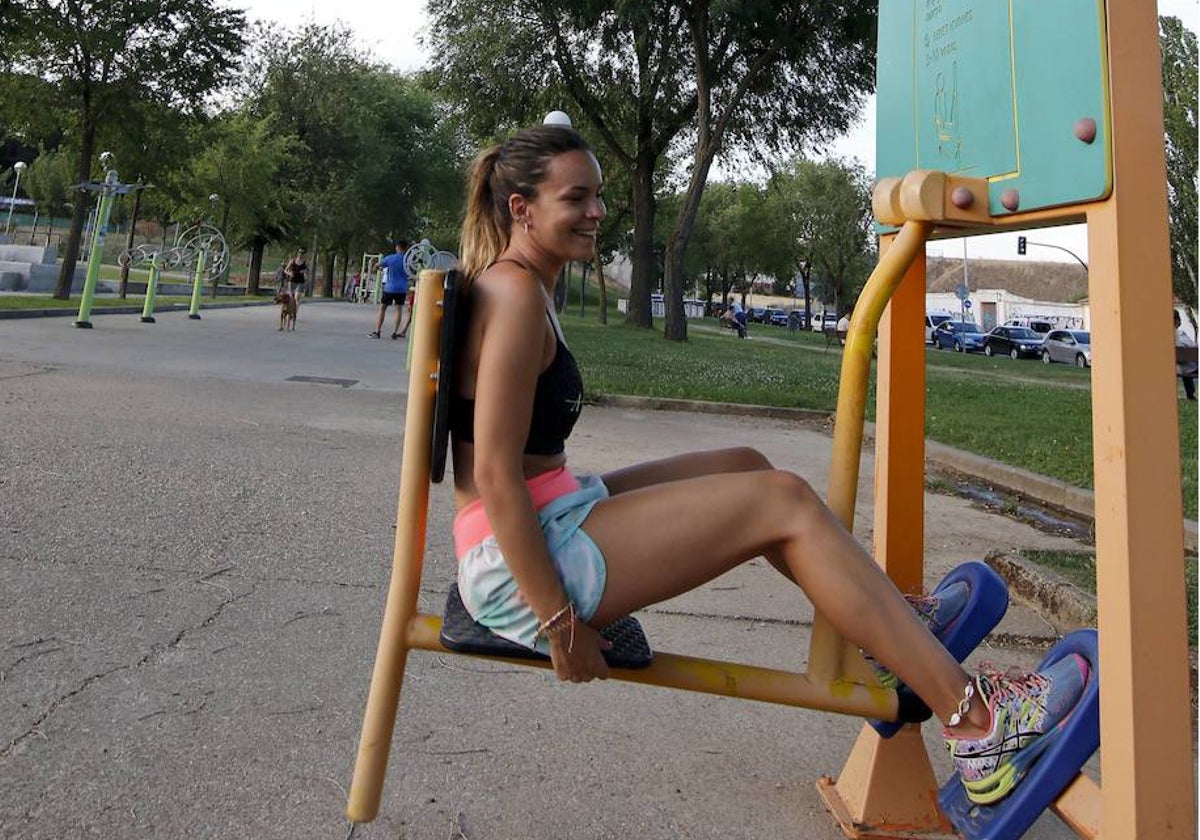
<point>447,347</point>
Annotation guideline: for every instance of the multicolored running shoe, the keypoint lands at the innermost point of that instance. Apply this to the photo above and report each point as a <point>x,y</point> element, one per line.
<point>938,612</point>
<point>1027,713</point>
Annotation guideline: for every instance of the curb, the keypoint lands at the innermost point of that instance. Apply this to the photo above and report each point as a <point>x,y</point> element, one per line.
<point>1063,604</point>
<point>1051,491</point>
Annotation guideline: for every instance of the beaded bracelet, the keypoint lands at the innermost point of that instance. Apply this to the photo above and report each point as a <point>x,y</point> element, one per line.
<point>557,623</point>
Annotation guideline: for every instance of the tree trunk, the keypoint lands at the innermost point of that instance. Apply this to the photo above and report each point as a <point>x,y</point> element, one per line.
<point>341,287</point>
<point>639,313</point>
<point>583,273</point>
<point>327,279</point>
<point>66,273</point>
<point>257,245</point>
<point>122,286</point>
<point>677,242</point>
<point>560,287</point>
<point>603,291</point>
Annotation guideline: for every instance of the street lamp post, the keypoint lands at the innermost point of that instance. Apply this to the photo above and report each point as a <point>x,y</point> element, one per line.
<point>18,167</point>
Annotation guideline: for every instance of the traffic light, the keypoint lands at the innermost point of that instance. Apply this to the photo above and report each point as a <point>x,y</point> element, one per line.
<point>1021,245</point>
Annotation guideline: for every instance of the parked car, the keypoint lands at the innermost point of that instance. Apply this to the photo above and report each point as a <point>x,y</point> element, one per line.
<point>827,320</point>
<point>797,319</point>
<point>1038,325</point>
<point>777,317</point>
<point>963,336</point>
<point>932,322</point>
<point>757,314</point>
<point>1072,347</point>
<point>1013,341</point>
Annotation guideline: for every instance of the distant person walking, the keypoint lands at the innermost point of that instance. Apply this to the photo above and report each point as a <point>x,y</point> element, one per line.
<point>395,290</point>
<point>1185,368</point>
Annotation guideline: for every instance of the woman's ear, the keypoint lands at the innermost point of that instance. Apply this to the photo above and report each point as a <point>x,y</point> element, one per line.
<point>518,208</point>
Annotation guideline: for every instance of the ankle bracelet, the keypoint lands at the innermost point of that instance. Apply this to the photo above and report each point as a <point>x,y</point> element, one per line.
<point>964,705</point>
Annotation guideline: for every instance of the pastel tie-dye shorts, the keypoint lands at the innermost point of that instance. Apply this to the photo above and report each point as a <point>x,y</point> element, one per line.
<point>488,589</point>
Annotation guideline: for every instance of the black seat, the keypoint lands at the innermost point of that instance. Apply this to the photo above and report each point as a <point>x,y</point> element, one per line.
<point>464,634</point>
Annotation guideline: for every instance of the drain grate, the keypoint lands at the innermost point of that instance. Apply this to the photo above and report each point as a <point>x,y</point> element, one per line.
<point>324,380</point>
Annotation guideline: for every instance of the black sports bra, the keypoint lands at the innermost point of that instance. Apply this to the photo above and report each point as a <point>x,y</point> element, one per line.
<point>557,402</point>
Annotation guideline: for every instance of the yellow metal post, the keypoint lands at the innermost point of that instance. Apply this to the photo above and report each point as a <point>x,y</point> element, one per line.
<point>825,650</point>
<point>888,785</point>
<point>407,559</point>
<point>1146,760</point>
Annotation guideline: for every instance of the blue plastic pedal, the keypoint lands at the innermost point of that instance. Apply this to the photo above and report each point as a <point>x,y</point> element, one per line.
<point>1050,773</point>
<point>985,607</point>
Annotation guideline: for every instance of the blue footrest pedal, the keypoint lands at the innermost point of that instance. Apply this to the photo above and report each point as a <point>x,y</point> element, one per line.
<point>985,607</point>
<point>464,634</point>
<point>1049,775</point>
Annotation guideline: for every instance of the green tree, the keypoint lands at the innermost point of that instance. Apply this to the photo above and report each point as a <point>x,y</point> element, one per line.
<point>376,158</point>
<point>49,181</point>
<point>97,57</point>
<point>649,77</point>
<point>245,163</point>
<point>822,212</point>
<point>1179,117</point>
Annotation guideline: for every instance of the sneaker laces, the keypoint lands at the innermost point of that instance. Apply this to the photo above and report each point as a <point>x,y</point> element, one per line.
<point>926,606</point>
<point>1015,685</point>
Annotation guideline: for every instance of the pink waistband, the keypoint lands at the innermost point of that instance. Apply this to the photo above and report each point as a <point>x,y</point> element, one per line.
<point>471,525</point>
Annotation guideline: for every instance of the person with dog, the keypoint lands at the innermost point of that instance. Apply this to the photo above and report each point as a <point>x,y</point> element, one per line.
<point>296,272</point>
<point>395,290</point>
<point>546,556</point>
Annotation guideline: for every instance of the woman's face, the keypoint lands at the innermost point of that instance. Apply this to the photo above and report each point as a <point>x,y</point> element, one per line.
<point>564,217</point>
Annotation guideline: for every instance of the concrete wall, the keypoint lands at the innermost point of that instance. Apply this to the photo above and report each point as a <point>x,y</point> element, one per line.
<point>991,307</point>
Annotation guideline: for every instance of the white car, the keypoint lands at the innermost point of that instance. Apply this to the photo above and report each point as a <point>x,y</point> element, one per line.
<point>1038,325</point>
<point>825,321</point>
<point>933,321</point>
<point>1072,347</point>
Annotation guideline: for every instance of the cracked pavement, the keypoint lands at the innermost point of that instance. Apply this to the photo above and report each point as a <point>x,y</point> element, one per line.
<point>195,553</point>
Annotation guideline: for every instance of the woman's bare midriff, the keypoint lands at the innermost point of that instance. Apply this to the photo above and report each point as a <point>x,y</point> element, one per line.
<point>464,471</point>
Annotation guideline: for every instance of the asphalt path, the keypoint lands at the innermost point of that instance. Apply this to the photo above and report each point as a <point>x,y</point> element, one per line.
<point>195,554</point>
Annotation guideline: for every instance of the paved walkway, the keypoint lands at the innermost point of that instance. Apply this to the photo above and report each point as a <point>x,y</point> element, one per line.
<point>196,552</point>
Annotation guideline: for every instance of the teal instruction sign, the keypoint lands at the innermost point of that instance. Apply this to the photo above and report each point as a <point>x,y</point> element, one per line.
<point>1015,91</point>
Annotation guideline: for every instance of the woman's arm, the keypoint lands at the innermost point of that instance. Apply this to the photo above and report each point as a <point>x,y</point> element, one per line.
<point>511,309</point>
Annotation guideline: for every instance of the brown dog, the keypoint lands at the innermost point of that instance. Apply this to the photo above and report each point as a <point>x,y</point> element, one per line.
<point>287,310</point>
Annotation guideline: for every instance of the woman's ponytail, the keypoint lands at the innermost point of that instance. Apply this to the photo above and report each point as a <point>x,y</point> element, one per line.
<point>485,226</point>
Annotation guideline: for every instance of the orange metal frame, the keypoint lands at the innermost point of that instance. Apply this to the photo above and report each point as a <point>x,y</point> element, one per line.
<point>1146,758</point>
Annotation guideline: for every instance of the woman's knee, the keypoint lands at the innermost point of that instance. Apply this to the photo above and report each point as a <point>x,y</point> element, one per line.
<point>798,502</point>
<point>747,459</point>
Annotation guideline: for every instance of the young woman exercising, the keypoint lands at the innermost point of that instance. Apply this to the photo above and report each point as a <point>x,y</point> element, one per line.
<point>546,556</point>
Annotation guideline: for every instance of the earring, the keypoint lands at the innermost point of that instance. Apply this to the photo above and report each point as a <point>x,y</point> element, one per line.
<point>525,224</point>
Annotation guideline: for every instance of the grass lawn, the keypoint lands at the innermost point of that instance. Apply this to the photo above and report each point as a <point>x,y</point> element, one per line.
<point>1022,413</point>
<point>45,301</point>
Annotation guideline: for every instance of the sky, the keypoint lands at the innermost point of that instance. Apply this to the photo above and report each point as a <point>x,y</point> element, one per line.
<point>390,29</point>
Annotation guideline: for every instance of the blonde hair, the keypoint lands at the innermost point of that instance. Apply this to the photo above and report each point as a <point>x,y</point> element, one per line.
<point>516,166</point>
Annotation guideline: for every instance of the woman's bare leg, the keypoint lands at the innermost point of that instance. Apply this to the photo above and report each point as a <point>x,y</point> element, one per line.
<point>693,465</point>
<point>653,553</point>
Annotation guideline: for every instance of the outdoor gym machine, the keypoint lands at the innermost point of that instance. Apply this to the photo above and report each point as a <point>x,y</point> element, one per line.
<point>109,189</point>
<point>1089,149</point>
